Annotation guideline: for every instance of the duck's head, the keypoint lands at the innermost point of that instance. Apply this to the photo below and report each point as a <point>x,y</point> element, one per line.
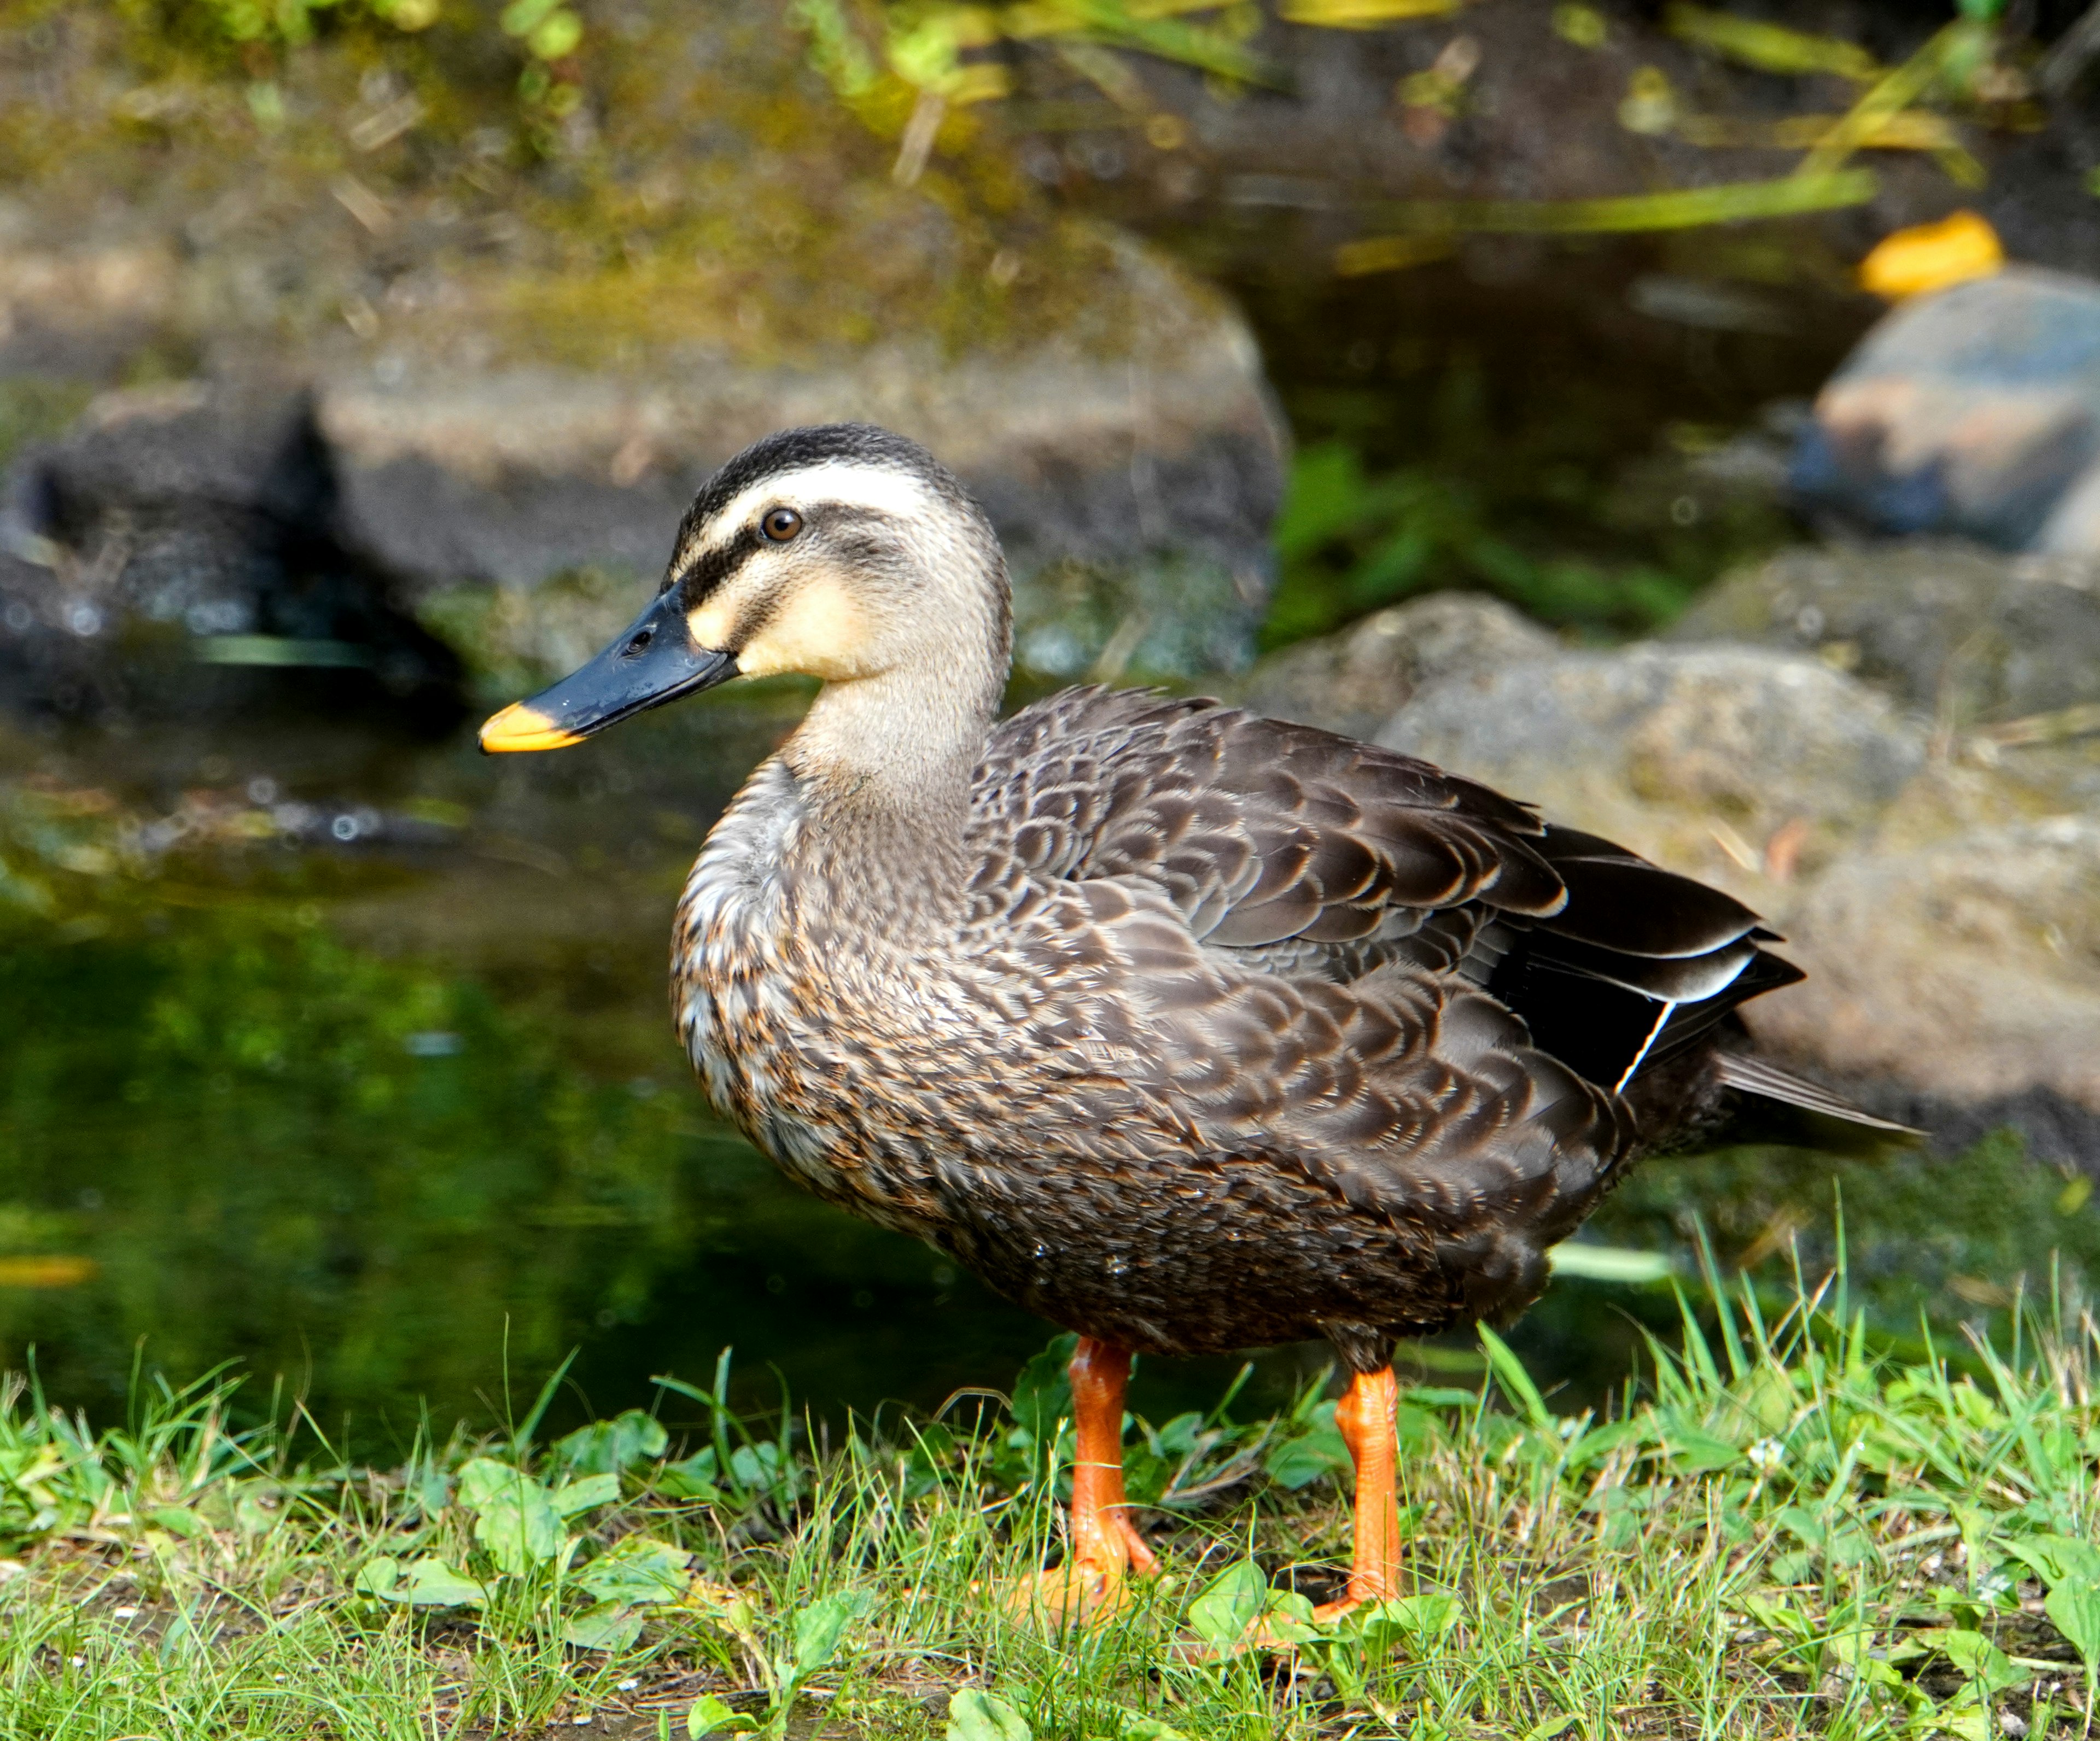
<point>840,552</point>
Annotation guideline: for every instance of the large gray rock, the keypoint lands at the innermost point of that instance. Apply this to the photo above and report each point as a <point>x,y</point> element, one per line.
<point>527,504</point>
<point>1132,483</point>
<point>1973,410</point>
<point>1722,761</point>
<point>1354,682</point>
<point>1949,923</point>
<point>1967,970</point>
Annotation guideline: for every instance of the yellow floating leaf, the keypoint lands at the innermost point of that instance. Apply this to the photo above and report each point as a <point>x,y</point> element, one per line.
<point>1932,256</point>
<point>45,1270</point>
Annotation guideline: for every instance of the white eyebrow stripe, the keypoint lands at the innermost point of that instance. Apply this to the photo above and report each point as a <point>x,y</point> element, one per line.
<point>849,483</point>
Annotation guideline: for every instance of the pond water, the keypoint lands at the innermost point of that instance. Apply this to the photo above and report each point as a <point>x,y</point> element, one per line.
<point>387,1110</point>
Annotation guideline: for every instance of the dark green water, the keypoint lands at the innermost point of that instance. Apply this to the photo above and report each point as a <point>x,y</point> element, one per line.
<point>392,1117</point>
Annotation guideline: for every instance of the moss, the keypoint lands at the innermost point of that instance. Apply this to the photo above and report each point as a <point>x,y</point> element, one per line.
<point>36,408</point>
<point>709,192</point>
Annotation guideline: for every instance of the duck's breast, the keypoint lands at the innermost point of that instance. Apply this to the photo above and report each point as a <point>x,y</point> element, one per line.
<point>765,1015</point>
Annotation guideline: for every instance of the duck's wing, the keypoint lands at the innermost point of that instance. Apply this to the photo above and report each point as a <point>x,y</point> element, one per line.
<point>1265,836</point>
<point>1288,849</point>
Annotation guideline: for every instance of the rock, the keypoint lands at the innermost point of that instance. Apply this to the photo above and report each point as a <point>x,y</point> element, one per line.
<point>1354,682</point>
<point>2000,654</point>
<point>1967,972</point>
<point>180,551</point>
<point>1962,635</point>
<point>1951,933</point>
<point>1975,410</point>
<point>1720,760</point>
<point>1133,497</point>
<point>527,344</point>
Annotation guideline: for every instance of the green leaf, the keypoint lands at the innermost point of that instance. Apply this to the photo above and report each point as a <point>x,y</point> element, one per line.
<point>2058,1559</point>
<point>819,1627</point>
<point>1696,1453</point>
<point>710,1716</point>
<point>1043,1390</point>
<point>1131,1726</point>
<point>637,1570</point>
<point>1776,1617</point>
<point>2073,1606</point>
<point>1287,1617</point>
<point>1233,1603</point>
<point>693,1478</point>
<point>1961,1719</point>
<point>586,1495</point>
<point>1419,1621</point>
<point>377,1577</point>
<point>1300,1462</point>
<point>515,1519</point>
<point>1981,1660</point>
<point>177,1521</point>
<point>607,1448</point>
<point>604,1626</point>
<point>427,1583</point>
<point>975,1715</point>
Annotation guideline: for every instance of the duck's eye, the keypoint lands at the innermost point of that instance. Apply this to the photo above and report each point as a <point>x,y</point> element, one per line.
<point>780,524</point>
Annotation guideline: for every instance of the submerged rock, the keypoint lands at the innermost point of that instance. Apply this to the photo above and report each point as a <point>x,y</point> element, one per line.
<point>180,551</point>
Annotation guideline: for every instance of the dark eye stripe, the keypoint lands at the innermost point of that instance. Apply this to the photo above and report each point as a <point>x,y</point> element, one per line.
<point>708,571</point>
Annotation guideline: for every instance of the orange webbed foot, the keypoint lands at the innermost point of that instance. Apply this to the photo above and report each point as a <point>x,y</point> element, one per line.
<point>1094,1581</point>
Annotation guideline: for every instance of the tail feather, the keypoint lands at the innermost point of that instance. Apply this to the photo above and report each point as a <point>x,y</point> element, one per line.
<point>1751,1075</point>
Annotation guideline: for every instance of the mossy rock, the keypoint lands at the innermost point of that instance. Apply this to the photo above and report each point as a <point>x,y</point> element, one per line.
<point>531,337</point>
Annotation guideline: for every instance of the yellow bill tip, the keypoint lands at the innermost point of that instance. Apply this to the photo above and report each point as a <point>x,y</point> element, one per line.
<point>518,727</point>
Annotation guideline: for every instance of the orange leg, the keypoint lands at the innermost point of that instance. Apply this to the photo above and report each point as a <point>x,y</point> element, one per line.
<point>1364,1417</point>
<point>1104,1544</point>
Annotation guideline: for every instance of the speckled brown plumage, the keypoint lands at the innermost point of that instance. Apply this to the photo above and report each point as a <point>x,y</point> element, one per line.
<point>1196,1062</point>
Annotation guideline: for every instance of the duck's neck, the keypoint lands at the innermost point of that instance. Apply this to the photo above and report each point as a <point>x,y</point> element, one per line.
<point>883,764</point>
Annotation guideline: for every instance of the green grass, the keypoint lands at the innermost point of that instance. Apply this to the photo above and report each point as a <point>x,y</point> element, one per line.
<point>1780,1534</point>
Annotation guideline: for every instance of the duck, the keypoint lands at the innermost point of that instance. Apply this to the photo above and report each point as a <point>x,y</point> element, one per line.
<point>1188,1030</point>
